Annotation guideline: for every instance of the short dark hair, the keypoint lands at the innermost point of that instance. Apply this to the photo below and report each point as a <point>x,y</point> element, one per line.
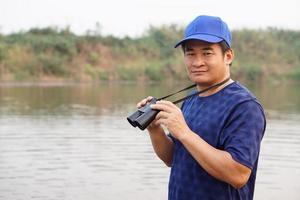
<point>224,46</point>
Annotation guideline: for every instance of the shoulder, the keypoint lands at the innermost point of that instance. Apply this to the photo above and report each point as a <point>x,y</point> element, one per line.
<point>238,91</point>
<point>236,94</point>
<point>246,108</point>
<point>240,97</point>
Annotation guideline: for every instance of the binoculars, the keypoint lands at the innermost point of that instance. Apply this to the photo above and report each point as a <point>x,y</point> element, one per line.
<point>143,116</point>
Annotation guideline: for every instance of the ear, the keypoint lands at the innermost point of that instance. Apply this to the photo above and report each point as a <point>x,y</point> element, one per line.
<point>229,56</point>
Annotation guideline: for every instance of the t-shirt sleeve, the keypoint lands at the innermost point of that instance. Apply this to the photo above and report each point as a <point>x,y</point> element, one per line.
<point>243,133</point>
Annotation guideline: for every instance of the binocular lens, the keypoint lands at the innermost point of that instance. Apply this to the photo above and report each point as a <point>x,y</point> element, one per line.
<point>131,118</point>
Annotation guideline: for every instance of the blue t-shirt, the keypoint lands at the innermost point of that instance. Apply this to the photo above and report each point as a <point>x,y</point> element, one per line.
<point>231,120</point>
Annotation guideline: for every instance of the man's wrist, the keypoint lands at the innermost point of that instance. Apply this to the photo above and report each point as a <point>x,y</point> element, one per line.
<point>186,136</point>
<point>154,129</point>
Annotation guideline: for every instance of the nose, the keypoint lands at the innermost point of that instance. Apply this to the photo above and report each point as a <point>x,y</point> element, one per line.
<point>198,61</point>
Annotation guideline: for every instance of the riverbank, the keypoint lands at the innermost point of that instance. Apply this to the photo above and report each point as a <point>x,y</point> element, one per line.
<point>52,55</point>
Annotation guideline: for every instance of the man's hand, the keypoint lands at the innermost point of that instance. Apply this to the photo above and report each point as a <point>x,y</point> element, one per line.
<point>152,125</point>
<point>171,117</point>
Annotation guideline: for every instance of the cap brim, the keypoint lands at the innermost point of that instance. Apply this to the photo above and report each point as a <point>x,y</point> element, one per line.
<point>202,37</point>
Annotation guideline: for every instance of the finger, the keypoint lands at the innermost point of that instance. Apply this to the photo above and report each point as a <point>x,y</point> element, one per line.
<point>161,115</point>
<point>149,98</point>
<point>168,103</point>
<point>144,101</point>
<point>161,122</point>
<point>163,106</point>
<point>171,106</point>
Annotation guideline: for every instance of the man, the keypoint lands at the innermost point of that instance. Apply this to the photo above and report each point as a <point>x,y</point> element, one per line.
<point>214,141</point>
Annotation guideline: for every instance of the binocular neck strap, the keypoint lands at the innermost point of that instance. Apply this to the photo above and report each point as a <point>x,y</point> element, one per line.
<point>197,93</point>
<point>189,87</point>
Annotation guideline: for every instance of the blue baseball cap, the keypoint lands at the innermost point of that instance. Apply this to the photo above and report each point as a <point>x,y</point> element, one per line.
<point>207,28</point>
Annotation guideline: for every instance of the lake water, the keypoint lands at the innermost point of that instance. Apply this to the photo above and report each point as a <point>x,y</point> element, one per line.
<point>73,142</point>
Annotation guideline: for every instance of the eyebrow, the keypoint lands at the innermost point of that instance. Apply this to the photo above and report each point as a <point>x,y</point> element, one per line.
<point>207,48</point>
<point>188,48</point>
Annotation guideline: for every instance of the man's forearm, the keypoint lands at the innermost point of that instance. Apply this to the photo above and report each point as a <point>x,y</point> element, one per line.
<point>162,145</point>
<point>216,162</point>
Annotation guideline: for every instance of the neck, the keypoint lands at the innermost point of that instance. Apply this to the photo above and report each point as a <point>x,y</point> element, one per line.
<point>213,90</point>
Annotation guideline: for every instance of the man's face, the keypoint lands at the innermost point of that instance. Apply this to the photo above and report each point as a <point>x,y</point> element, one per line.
<point>206,64</point>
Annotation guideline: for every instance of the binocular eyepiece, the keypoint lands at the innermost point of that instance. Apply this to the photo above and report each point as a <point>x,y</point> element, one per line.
<point>143,116</point>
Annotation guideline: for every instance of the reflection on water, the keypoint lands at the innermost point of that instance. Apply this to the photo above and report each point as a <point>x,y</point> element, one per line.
<point>73,142</point>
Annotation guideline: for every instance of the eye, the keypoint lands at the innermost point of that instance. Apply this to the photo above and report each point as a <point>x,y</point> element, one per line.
<point>207,53</point>
<point>189,53</point>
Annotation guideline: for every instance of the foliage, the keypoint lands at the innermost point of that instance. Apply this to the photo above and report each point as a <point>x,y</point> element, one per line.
<point>295,74</point>
<point>44,52</point>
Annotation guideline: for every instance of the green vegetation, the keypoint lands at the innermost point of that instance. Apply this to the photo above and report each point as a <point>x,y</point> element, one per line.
<point>58,54</point>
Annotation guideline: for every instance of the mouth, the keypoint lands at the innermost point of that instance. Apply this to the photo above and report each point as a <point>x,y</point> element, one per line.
<point>199,72</point>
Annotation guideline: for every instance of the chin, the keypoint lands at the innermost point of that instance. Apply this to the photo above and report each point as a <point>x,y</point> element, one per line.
<point>201,80</point>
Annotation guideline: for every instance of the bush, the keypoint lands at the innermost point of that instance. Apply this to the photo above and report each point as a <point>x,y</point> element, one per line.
<point>294,74</point>
<point>252,72</point>
<point>128,73</point>
<point>53,65</point>
<point>154,72</point>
